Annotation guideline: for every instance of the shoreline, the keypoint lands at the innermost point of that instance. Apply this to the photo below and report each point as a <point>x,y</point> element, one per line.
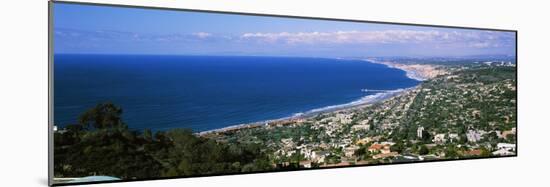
<point>415,71</point>
<point>419,72</point>
<point>363,101</point>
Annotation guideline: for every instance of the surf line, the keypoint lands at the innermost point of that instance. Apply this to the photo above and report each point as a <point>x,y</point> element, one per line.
<point>373,90</point>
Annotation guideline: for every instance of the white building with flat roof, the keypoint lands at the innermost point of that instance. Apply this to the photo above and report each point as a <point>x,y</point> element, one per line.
<point>506,146</point>
<point>503,152</point>
<point>439,138</point>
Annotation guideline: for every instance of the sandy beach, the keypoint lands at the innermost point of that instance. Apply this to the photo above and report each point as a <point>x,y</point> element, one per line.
<point>420,72</point>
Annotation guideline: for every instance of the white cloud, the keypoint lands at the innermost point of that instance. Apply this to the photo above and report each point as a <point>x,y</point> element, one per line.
<point>413,39</point>
<point>476,39</point>
<point>480,45</point>
<point>202,35</point>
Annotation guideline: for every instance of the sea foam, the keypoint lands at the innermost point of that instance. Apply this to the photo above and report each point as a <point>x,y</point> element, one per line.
<point>369,99</point>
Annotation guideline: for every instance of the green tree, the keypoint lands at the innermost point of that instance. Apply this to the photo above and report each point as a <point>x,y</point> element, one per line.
<point>426,136</point>
<point>102,145</point>
<point>147,134</point>
<point>423,150</point>
<point>103,115</point>
<point>451,152</point>
<point>398,147</point>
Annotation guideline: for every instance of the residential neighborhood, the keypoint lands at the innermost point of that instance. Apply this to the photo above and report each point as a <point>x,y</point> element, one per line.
<point>463,111</point>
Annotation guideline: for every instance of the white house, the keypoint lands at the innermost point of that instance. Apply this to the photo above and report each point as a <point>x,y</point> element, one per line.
<point>439,138</point>
<point>306,152</point>
<point>319,156</point>
<point>506,146</point>
<point>503,152</point>
<point>453,136</point>
<point>305,164</point>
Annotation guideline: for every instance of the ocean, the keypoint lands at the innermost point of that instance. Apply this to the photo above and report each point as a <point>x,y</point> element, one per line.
<point>162,92</point>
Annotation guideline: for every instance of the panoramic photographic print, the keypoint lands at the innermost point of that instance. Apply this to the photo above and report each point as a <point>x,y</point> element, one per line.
<point>142,93</point>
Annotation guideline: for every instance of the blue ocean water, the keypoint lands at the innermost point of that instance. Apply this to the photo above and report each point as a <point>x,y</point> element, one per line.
<point>160,92</point>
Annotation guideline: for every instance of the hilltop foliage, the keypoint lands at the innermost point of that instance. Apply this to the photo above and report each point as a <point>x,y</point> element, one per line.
<point>101,144</point>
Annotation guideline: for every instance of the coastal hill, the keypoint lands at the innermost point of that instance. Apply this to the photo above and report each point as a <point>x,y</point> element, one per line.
<point>458,111</point>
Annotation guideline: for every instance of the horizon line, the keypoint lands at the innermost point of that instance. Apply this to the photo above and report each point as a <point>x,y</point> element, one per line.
<point>306,56</point>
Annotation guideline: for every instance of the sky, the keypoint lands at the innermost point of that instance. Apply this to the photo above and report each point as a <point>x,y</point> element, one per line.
<point>91,29</point>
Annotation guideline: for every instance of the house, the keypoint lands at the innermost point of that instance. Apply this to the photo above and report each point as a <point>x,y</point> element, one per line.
<point>305,164</point>
<point>282,164</point>
<point>290,153</point>
<point>375,147</point>
<point>506,146</point>
<point>453,137</point>
<point>350,151</point>
<point>385,150</point>
<point>505,134</point>
<point>319,156</point>
<point>367,140</point>
<point>287,142</point>
<point>385,155</point>
<point>306,152</point>
<point>362,141</point>
<point>503,152</point>
<point>439,139</point>
<point>382,148</point>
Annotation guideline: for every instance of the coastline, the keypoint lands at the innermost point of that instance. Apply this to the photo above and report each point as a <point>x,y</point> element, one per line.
<point>413,71</point>
<point>419,72</point>
<point>363,101</point>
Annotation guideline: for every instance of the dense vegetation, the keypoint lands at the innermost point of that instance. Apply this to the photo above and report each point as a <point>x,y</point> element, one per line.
<point>473,99</point>
<point>102,144</point>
